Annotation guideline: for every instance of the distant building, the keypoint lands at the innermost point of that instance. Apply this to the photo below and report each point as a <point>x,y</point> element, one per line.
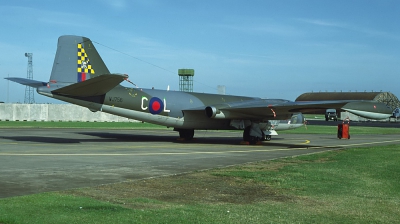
<point>221,90</point>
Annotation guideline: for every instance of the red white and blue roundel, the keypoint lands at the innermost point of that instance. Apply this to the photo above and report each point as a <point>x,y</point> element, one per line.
<point>156,105</point>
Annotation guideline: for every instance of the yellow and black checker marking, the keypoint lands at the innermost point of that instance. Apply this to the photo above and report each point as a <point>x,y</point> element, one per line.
<point>84,66</point>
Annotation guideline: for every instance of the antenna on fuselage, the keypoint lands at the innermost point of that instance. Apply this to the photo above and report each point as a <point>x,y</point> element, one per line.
<point>126,79</point>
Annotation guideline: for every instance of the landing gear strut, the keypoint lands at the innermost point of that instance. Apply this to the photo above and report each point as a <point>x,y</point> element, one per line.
<point>254,133</point>
<point>247,137</point>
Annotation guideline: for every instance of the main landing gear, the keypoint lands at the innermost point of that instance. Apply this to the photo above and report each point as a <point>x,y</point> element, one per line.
<point>253,134</point>
<point>186,134</point>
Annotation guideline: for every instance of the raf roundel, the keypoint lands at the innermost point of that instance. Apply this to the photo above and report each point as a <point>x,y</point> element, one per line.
<point>156,105</point>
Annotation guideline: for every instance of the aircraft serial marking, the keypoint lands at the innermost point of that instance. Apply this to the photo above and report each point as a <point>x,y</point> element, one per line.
<point>116,99</point>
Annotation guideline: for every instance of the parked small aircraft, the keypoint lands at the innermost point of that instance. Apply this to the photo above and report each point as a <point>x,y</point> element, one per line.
<point>79,76</point>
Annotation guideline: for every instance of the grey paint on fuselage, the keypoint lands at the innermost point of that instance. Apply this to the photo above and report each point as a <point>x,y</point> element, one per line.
<point>175,102</point>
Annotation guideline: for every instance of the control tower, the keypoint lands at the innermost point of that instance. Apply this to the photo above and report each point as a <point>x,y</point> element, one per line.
<point>186,80</point>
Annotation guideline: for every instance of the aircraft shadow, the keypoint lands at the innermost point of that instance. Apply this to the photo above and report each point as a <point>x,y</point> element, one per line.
<point>40,139</point>
<point>120,137</point>
<point>219,140</point>
<point>102,137</point>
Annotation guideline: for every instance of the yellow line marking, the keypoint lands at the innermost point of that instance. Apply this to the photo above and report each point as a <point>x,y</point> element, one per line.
<point>145,154</point>
<point>115,145</point>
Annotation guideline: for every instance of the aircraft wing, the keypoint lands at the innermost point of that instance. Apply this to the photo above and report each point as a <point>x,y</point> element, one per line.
<point>263,109</point>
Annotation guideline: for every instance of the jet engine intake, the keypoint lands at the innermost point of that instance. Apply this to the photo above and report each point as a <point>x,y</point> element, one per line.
<point>211,111</point>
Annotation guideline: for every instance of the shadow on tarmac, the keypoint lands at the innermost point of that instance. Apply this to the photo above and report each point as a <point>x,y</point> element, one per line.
<point>106,137</point>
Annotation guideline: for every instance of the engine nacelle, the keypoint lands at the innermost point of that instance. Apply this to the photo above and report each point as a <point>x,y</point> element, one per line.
<point>211,111</point>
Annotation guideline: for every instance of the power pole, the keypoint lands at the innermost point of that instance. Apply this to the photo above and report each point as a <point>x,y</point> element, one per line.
<point>29,97</point>
<point>8,88</point>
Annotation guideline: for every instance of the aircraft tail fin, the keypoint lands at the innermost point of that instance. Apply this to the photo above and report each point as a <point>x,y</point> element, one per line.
<point>76,60</point>
<point>78,71</point>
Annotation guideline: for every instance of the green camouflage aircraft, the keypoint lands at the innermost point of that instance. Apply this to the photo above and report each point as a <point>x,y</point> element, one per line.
<point>79,76</point>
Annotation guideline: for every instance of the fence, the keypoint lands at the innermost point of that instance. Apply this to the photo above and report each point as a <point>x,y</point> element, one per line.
<point>54,112</point>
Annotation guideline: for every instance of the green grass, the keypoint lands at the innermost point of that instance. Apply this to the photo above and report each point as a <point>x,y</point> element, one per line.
<point>359,185</point>
<point>314,116</point>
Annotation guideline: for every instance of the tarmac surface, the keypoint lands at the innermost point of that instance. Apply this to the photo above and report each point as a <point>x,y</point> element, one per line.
<point>382,124</point>
<point>43,159</point>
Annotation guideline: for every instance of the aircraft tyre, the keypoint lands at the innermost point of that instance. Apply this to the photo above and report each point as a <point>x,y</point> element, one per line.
<point>248,138</point>
<point>246,134</point>
<point>187,134</point>
<point>266,137</point>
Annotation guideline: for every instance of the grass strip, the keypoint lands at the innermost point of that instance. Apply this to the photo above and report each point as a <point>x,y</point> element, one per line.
<point>359,185</point>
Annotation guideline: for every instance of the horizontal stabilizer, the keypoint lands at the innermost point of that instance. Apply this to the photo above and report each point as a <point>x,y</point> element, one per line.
<point>96,86</point>
<point>28,82</point>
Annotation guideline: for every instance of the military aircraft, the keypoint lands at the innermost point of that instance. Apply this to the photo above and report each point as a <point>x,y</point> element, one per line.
<point>79,76</point>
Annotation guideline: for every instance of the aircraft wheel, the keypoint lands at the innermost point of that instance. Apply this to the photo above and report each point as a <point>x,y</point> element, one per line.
<point>248,138</point>
<point>266,137</point>
<point>246,134</point>
<point>253,140</point>
<point>186,134</point>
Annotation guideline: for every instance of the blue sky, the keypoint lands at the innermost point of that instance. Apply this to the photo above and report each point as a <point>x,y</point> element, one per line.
<point>271,49</point>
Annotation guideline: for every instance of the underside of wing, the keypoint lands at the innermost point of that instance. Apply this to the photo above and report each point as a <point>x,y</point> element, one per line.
<point>271,109</point>
<point>265,109</point>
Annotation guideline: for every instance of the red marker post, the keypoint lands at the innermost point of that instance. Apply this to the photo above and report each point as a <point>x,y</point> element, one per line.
<point>344,129</point>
